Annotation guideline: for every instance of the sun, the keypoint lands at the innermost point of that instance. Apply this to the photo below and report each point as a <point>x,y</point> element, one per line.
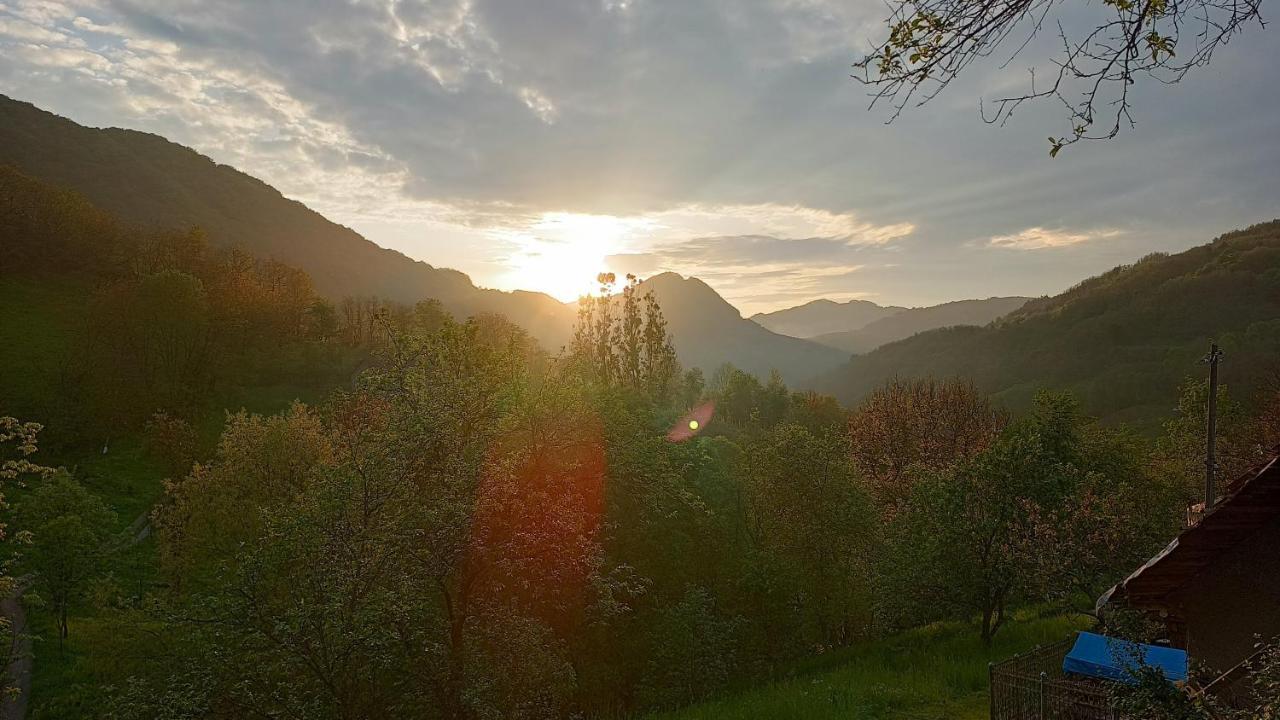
<point>562,253</point>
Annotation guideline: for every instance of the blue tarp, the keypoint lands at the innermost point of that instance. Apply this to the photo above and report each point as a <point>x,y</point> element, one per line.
<point>1112,659</point>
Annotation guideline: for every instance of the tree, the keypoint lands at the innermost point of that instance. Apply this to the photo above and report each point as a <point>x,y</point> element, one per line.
<point>694,652</point>
<point>18,442</point>
<point>931,42</point>
<point>1046,511</point>
<point>172,441</point>
<point>1181,452</point>
<point>261,464</point>
<point>911,425</point>
<point>69,525</point>
<point>808,515</point>
<point>152,339</point>
<point>626,346</point>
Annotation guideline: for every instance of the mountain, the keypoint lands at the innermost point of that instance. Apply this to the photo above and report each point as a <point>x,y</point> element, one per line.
<point>917,320</point>
<point>147,180</point>
<point>150,181</point>
<point>824,316</point>
<point>1122,341</point>
<point>707,332</point>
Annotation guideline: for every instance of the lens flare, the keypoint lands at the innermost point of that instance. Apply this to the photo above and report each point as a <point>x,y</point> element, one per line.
<point>692,422</point>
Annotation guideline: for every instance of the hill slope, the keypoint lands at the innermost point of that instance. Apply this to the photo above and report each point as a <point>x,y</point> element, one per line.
<point>146,179</point>
<point>150,181</point>
<point>917,320</point>
<point>708,332</point>
<point>1123,340</point>
<point>824,316</point>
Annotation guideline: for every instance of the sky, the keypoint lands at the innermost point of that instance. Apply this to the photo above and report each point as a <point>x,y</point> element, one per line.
<point>534,143</point>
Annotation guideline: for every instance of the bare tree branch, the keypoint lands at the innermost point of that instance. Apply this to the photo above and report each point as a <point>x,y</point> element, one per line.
<point>931,42</point>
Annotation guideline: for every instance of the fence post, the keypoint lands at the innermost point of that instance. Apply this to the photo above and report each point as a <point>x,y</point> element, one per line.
<point>1043,676</point>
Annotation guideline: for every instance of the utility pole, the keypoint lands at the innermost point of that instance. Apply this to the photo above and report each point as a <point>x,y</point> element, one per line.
<point>1211,460</point>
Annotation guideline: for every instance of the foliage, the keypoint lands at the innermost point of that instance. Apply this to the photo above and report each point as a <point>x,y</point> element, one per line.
<point>18,442</point>
<point>1153,696</point>
<point>996,529</point>
<point>173,441</point>
<point>170,323</point>
<point>1123,342</point>
<point>626,345</point>
<point>70,526</point>
<point>907,426</point>
<point>1242,442</point>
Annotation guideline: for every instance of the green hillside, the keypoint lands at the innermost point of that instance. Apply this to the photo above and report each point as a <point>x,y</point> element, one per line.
<point>1122,341</point>
<point>917,320</point>
<point>148,180</point>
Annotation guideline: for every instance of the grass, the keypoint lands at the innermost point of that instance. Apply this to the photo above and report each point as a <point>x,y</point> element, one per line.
<point>934,672</point>
<point>67,681</point>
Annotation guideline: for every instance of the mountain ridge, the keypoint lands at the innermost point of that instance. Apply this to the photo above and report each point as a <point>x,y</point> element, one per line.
<point>977,311</point>
<point>1122,341</point>
<point>693,309</point>
<point>151,181</point>
<point>821,316</point>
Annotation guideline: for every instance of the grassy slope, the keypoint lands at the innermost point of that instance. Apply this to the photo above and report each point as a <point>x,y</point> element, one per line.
<point>939,671</point>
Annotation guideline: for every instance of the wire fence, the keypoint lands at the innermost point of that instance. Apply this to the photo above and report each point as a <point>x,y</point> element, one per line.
<point>1032,686</point>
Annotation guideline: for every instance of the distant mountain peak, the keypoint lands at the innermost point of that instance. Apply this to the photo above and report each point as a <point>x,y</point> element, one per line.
<point>691,296</point>
<point>823,316</point>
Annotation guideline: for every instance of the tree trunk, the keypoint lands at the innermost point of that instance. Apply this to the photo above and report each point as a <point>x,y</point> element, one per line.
<point>62,627</point>
<point>987,630</point>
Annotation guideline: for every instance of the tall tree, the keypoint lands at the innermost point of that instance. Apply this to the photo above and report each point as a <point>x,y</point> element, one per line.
<point>69,525</point>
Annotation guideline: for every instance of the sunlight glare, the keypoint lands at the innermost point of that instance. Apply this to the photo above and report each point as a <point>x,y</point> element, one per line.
<point>562,253</point>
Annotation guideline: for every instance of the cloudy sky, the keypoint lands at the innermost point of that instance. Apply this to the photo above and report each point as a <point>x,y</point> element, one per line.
<point>530,143</point>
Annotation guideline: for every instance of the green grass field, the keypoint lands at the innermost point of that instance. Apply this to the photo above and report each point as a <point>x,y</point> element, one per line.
<point>935,672</point>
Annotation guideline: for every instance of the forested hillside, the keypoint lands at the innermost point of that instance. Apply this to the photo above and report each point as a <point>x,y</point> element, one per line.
<point>146,179</point>
<point>1122,341</point>
<point>107,323</point>
<point>917,320</point>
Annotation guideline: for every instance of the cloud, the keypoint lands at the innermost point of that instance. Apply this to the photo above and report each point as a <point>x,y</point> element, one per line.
<point>730,131</point>
<point>1038,238</point>
<point>561,252</point>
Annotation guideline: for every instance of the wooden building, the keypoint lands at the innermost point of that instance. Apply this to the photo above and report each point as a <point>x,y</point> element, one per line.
<point>1217,585</point>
